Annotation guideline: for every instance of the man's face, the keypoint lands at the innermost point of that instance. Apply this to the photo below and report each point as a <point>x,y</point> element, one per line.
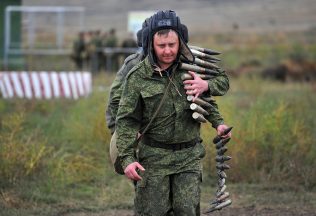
<point>166,48</point>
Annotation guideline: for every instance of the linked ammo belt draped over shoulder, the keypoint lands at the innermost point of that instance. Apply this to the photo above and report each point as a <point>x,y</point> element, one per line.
<point>174,146</point>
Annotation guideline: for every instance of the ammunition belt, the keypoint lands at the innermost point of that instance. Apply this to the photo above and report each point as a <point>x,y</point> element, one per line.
<point>174,146</point>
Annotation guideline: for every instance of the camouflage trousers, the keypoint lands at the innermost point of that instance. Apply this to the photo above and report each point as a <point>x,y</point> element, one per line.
<point>171,182</point>
<point>177,194</point>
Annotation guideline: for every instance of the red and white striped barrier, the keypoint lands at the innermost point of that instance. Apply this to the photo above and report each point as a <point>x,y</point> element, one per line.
<point>45,85</point>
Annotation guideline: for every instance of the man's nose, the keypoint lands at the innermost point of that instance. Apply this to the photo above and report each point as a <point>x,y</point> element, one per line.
<point>167,49</point>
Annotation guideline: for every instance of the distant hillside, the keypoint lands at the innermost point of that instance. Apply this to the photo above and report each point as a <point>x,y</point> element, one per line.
<point>201,16</point>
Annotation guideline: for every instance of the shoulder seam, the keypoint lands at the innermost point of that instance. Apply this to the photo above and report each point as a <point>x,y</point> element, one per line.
<point>135,68</point>
<point>131,57</point>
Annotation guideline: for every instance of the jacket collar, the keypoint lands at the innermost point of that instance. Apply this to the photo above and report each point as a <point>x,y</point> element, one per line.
<point>152,68</point>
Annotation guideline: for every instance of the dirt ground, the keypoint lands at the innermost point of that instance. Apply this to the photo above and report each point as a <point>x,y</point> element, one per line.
<point>229,211</point>
<point>247,200</point>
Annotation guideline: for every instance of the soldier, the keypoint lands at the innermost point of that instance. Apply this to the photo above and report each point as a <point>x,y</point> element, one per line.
<point>217,86</point>
<point>111,42</point>
<point>129,42</point>
<point>167,168</point>
<point>104,37</point>
<point>96,54</point>
<point>90,48</point>
<point>78,51</point>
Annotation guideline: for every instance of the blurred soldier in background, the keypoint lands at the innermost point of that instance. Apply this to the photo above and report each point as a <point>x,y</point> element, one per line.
<point>89,48</point>
<point>78,51</point>
<point>104,37</point>
<point>129,42</point>
<point>112,42</point>
<point>96,51</point>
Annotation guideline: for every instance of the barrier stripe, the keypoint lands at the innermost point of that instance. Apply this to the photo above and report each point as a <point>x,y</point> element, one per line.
<point>55,84</point>
<point>37,86</point>
<point>76,84</point>
<point>3,87</point>
<point>65,84</point>
<point>87,82</point>
<point>45,85</point>
<point>8,86</point>
<point>21,83</point>
<point>16,85</point>
<point>61,87</point>
<point>27,84</point>
<point>80,84</point>
<point>71,90</point>
<point>72,82</point>
<point>41,85</point>
<point>51,85</point>
<point>12,84</point>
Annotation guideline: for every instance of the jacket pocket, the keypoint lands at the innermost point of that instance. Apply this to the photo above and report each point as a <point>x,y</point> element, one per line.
<point>152,98</point>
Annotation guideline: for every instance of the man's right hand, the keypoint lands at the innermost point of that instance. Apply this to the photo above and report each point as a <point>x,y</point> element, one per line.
<point>220,131</point>
<point>131,171</point>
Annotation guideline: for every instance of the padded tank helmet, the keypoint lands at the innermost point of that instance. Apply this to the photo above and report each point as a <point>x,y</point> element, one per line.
<point>166,20</point>
<point>139,34</point>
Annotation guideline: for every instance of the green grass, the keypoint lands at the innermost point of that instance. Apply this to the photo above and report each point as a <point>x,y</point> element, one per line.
<point>54,154</point>
<point>273,143</point>
<point>274,133</point>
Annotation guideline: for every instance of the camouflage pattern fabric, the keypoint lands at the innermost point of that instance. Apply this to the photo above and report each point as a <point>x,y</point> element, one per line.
<point>116,88</point>
<point>171,180</point>
<point>218,86</point>
<point>178,191</point>
<point>142,92</point>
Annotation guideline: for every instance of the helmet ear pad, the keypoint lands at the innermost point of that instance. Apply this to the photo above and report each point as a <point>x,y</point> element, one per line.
<point>139,38</point>
<point>145,39</point>
<point>184,33</point>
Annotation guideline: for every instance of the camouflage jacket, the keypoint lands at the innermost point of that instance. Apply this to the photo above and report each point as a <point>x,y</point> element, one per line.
<point>116,88</point>
<point>143,90</point>
<point>218,86</point>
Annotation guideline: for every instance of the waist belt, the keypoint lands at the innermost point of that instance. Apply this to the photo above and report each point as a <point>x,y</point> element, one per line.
<point>174,147</point>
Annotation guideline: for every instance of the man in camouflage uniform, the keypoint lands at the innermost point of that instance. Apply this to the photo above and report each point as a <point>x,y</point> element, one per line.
<point>167,168</point>
<point>218,86</point>
<point>117,87</point>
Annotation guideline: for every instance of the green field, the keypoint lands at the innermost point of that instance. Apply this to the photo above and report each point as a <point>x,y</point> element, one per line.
<point>54,154</point>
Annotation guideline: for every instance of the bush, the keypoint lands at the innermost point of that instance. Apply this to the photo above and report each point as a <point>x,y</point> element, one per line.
<point>21,154</point>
